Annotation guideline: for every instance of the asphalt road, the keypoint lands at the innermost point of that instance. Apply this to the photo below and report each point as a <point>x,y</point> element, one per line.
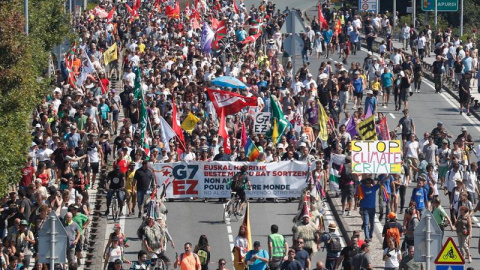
<point>188,220</point>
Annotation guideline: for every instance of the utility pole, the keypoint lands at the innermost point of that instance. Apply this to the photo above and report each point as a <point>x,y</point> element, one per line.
<point>436,12</point>
<point>394,18</point>
<point>461,18</point>
<point>414,12</point>
<point>25,10</point>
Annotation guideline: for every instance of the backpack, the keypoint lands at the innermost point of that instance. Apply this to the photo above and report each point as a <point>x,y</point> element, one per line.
<point>334,245</point>
<point>393,232</point>
<point>203,256</point>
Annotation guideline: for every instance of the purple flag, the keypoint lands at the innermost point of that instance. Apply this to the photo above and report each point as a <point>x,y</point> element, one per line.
<point>351,127</point>
<point>369,111</point>
<point>207,38</point>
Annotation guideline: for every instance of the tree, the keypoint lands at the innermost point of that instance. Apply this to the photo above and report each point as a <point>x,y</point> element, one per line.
<point>22,61</point>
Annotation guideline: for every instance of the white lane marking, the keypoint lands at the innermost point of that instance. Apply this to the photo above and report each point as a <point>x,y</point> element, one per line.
<point>378,225</point>
<point>229,232</point>
<point>328,218</point>
<point>393,116</point>
<point>477,222</point>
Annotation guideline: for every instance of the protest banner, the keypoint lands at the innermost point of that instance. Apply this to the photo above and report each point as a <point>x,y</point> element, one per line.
<point>284,179</point>
<point>376,157</point>
<point>262,123</point>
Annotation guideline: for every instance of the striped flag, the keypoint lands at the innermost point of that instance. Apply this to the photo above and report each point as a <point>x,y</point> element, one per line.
<point>251,150</point>
<point>219,35</point>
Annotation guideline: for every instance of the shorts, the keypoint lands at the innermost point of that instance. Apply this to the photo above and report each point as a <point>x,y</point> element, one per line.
<point>115,115</point>
<point>241,194</point>
<point>442,171</point>
<point>406,137</point>
<point>95,167</point>
<point>141,196</point>
<point>388,89</point>
<point>404,94</point>
<point>347,193</point>
<point>344,96</point>
<point>358,94</point>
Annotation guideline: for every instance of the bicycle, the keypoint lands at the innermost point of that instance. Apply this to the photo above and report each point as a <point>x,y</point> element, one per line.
<point>115,207</point>
<point>231,208</point>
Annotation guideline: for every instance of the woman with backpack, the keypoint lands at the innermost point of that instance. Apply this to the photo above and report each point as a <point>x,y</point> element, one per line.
<point>463,227</point>
<point>202,249</point>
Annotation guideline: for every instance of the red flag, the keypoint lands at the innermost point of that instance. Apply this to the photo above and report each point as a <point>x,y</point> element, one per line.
<point>215,23</point>
<point>133,12</point>
<point>339,26</point>
<point>110,14</point>
<point>223,132</point>
<point>251,39</point>
<point>176,126</point>
<point>321,19</point>
<point>219,35</point>
<point>244,135</point>
<point>235,7</point>
<point>137,4</point>
<point>230,102</point>
<point>173,12</point>
<point>195,24</point>
<point>383,127</point>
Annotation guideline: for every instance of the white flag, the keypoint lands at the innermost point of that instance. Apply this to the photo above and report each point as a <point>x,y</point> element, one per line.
<point>167,133</point>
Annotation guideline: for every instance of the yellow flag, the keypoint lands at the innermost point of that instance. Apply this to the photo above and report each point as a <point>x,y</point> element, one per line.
<point>246,224</point>
<point>275,132</point>
<point>190,122</point>
<point>367,130</point>
<point>322,122</point>
<point>110,54</point>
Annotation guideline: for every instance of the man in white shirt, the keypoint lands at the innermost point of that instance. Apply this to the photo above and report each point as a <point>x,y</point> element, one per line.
<point>129,78</point>
<point>421,43</point>
<point>188,155</point>
<point>406,36</point>
<point>411,151</point>
<point>309,81</point>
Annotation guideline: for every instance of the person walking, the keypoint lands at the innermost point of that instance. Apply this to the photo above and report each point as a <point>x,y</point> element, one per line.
<point>367,205</point>
<point>291,263</point>
<point>334,247</point>
<point>188,260</point>
<point>463,227</point>
<point>277,248</point>
<point>362,260</point>
<point>408,262</point>
<point>257,258</point>
<point>141,181</point>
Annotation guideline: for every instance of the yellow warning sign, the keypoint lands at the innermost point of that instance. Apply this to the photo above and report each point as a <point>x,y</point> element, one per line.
<point>449,254</point>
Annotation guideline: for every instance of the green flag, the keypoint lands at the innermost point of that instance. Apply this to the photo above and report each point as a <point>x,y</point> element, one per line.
<point>277,119</point>
<point>137,84</point>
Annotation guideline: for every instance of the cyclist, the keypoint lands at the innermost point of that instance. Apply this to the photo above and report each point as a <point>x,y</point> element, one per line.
<point>116,181</point>
<point>239,183</point>
<point>143,263</point>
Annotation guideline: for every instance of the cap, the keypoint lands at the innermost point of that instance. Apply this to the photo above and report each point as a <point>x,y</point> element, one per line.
<point>392,215</point>
<point>256,243</point>
<point>439,123</point>
<point>33,144</point>
<point>23,222</point>
<point>369,92</point>
<point>464,128</point>
<point>444,141</point>
<point>370,53</point>
<point>332,226</point>
<point>357,73</point>
<point>38,126</point>
<point>402,73</point>
<point>303,144</point>
<point>117,226</point>
<point>203,138</point>
<point>280,145</point>
<point>323,76</point>
<point>118,261</point>
<point>113,91</point>
<point>309,75</point>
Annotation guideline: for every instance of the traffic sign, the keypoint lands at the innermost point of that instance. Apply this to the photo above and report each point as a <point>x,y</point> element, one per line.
<point>298,45</point>
<point>293,24</point>
<point>52,241</point>
<point>367,5</point>
<point>449,254</point>
<point>420,235</point>
<point>442,5</point>
<point>450,267</point>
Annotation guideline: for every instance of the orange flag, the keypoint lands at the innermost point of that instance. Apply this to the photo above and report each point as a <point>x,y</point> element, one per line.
<point>246,223</point>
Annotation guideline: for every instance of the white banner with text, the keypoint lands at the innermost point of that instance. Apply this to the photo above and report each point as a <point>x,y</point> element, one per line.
<point>199,179</point>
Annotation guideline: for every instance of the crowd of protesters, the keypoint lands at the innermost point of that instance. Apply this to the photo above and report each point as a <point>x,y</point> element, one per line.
<point>91,125</point>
